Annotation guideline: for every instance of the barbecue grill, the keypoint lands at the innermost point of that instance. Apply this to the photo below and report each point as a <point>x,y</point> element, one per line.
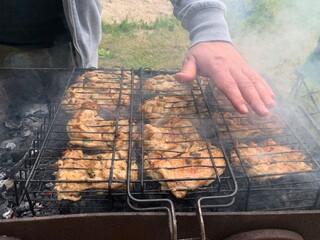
<point>234,193</point>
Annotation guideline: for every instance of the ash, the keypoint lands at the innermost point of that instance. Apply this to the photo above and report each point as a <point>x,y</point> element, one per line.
<point>21,128</point>
<point>26,97</point>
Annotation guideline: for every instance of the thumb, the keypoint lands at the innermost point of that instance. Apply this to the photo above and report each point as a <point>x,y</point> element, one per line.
<point>188,72</point>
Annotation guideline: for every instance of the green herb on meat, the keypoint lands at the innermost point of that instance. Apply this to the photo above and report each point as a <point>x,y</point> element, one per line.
<point>91,173</point>
<point>194,154</point>
<point>110,145</point>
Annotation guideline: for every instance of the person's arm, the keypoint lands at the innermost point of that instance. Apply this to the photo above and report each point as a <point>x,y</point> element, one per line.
<point>212,55</point>
<point>84,22</point>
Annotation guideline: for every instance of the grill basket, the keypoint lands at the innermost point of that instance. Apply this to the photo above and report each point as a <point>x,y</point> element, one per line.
<point>239,188</point>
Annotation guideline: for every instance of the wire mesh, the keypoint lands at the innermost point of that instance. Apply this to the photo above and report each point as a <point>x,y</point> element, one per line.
<point>177,147</point>
<point>275,161</point>
<point>152,144</point>
<point>81,157</point>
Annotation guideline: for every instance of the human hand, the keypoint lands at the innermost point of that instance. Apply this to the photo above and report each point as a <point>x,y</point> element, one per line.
<point>222,64</point>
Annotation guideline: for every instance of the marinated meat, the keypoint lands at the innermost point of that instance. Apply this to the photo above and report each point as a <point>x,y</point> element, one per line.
<point>159,109</point>
<point>188,171</point>
<point>101,76</point>
<point>78,172</point>
<point>175,151</point>
<point>176,137</point>
<point>106,90</point>
<point>165,84</point>
<point>109,97</point>
<point>87,129</point>
<point>270,158</point>
<point>246,127</point>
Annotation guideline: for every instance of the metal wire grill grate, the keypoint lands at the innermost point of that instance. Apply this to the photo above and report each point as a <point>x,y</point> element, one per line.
<point>275,161</point>
<point>145,126</point>
<point>111,134</point>
<point>171,123</point>
<point>306,95</point>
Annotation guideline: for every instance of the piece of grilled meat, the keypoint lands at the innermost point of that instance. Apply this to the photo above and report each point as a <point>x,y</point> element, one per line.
<point>189,171</point>
<point>269,158</point>
<point>165,84</point>
<point>249,127</point>
<point>109,91</point>
<point>159,109</point>
<point>87,129</point>
<point>82,172</point>
<point>175,152</point>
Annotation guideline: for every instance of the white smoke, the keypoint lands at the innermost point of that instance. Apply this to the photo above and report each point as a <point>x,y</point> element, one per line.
<point>280,45</point>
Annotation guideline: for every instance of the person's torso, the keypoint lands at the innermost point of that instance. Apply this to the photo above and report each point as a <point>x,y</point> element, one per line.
<point>32,22</point>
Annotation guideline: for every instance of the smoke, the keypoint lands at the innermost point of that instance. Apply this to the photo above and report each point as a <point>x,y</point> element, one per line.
<point>276,37</point>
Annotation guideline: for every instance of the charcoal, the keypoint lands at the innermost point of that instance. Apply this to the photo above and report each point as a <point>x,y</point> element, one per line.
<point>23,208</point>
<point>6,183</point>
<point>12,150</point>
<point>3,175</point>
<point>5,156</point>
<point>26,133</point>
<point>49,185</point>
<point>5,212</point>
<point>35,110</point>
<point>12,125</point>
<point>8,144</point>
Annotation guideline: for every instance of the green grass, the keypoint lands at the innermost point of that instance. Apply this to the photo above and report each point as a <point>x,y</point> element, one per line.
<point>156,45</point>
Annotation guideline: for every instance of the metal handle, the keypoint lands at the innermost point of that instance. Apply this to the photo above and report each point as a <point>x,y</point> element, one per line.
<point>200,214</point>
<point>172,221</point>
<point>267,234</point>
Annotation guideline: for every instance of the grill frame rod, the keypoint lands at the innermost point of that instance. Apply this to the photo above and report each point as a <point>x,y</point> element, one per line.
<point>137,200</point>
<point>305,93</point>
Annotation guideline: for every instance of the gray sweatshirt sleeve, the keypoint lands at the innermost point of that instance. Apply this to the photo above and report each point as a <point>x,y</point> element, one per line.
<point>204,19</point>
<point>84,22</point>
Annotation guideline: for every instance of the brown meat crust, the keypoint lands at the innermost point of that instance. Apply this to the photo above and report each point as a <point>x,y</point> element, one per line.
<point>157,110</point>
<point>91,170</point>
<point>270,158</point>
<point>176,137</point>
<point>196,166</point>
<point>107,90</point>
<point>87,129</point>
<point>165,84</point>
<point>101,76</point>
<point>244,127</point>
<point>175,151</point>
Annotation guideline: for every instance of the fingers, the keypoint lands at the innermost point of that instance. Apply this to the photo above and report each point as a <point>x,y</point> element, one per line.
<point>229,87</point>
<point>188,72</point>
<point>252,92</point>
<point>265,92</point>
<point>223,64</point>
<point>240,89</point>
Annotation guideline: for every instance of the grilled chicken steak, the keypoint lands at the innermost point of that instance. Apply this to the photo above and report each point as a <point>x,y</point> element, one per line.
<point>188,171</point>
<point>165,84</point>
<point>157,110</point>
<point>250,126</point>
<point>91,170</point>
<point>105,89</point>
<point>269,158</point>
<point>87,129</point>
<point>176,137</point>
<point>175,151</point>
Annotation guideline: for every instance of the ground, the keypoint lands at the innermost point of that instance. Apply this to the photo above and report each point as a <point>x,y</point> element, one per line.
<point>136,40</point>
<point>134,10</point>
